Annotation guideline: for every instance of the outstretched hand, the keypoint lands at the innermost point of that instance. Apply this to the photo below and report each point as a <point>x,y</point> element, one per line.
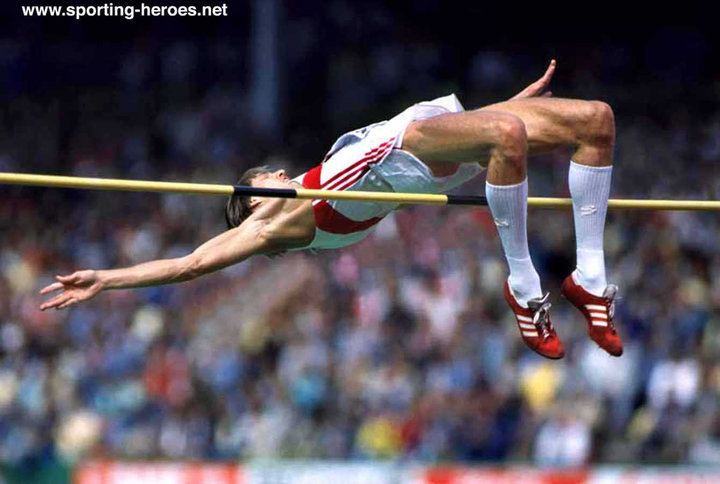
<point>538,88</point>
<point>79,286</point>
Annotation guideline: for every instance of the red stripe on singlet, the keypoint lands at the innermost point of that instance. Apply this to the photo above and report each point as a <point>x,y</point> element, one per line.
<point>368,156</point>
<point>358,171</point>
<point>329,219</point>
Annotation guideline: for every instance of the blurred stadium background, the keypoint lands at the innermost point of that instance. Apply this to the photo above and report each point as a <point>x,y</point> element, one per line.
<point>392,361</point>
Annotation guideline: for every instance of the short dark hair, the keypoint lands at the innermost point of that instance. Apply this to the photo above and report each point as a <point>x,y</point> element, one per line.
<point>238,207</point>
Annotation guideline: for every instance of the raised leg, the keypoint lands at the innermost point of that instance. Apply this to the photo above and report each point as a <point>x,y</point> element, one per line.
<point>499,138</point>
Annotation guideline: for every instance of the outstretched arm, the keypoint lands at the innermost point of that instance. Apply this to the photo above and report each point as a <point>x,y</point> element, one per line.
<point>539,88</point>
<point>226,249</point>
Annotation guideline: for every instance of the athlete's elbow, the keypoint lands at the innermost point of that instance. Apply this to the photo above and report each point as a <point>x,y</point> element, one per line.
<point>192,267</point>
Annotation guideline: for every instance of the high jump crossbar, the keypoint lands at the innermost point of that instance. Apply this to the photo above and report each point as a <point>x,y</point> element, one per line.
<point>83,183</point>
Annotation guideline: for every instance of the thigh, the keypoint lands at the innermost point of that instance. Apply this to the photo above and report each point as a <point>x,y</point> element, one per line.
<point>550,122</point>
<point>464,137</point>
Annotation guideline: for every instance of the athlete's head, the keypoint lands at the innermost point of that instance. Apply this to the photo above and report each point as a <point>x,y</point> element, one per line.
<point>238,207</point>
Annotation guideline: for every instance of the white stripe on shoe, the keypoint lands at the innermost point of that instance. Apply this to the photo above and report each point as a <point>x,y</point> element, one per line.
<point>595,307</point>
<point>524,318</point>
<point>526,326</point>
<point>530,333</point>
<point>596,322</point>
<point>598,315</point>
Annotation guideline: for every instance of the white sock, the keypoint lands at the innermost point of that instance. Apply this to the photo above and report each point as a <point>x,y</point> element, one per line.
<point>508,205</point>
<point>590,189</point>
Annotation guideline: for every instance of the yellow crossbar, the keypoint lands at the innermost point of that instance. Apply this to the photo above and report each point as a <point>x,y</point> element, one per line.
<point>402,198</point>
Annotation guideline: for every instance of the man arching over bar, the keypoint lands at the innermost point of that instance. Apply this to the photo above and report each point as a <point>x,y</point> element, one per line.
<point>431,147</point>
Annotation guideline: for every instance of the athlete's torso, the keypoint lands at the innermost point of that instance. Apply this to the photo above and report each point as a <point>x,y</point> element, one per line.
<point>348,167</point>
<point>371,159</point>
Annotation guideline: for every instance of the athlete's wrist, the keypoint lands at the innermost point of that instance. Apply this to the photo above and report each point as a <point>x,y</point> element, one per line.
<point>104,280</point>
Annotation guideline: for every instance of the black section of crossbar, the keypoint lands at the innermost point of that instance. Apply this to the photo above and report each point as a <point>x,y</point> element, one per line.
<point>248,191</point>
<point>466,200</point>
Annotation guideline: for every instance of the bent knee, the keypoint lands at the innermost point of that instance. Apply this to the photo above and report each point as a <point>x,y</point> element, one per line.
<point>508,129</point>
<point>509,136</point>
<point>600,123</point>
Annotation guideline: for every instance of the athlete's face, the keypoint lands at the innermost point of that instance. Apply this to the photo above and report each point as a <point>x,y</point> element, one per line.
<point>273,179</point>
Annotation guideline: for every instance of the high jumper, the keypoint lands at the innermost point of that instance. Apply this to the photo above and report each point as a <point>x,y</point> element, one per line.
<point>431,147</point>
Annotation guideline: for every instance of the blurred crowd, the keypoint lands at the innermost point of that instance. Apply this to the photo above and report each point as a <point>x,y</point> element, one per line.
<point>398,348</point>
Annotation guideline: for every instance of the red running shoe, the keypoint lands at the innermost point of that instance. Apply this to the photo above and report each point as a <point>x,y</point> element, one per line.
<point>535,326</point>
<point>598,312</point>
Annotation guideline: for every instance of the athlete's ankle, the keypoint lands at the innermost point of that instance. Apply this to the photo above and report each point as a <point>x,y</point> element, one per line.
<point>524,280</point>
<point>593,282</point>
